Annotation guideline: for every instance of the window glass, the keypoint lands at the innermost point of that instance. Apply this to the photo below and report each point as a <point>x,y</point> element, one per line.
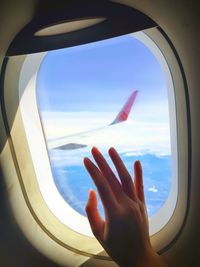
<point>84,95</point>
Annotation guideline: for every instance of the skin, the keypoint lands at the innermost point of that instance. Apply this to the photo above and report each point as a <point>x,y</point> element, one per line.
<point>125,232</point>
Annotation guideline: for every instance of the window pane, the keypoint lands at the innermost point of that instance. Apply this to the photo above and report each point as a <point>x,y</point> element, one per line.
<point>80,92</point>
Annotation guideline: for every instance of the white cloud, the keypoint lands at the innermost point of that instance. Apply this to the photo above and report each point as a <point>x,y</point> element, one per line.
<point>153,189</point>
<point>133,137</point>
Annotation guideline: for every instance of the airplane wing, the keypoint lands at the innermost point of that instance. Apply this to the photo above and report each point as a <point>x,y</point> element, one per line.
<point>70,146</point>
<point>124,112</point>
<point>63,143</point>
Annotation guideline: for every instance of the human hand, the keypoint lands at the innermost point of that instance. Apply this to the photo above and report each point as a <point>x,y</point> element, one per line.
<point>124,234</point>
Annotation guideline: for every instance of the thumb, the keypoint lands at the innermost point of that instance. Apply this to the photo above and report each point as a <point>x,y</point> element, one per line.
<point>95,220</point>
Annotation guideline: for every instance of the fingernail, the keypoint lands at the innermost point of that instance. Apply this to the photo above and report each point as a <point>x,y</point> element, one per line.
<point>94,148</point>
<point>137,164</point>
<point>111,149</point>
<point>86,160</point>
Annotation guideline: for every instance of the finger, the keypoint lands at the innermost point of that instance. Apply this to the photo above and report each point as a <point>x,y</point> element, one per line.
<point>107,172</point>
<point>95,220</point>
<point>102,185</point>
<point>138,181</point>
<point>125,177</point>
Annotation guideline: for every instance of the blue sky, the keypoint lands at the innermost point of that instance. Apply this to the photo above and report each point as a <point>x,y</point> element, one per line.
<point>100,76</point>
<point>83,88</point>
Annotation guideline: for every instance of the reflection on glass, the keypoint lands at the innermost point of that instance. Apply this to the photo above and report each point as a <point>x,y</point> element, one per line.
<point>108,93</point>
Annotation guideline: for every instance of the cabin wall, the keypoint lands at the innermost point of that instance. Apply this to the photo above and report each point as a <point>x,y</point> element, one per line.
<point>180,21</point>
<point>15,250</point>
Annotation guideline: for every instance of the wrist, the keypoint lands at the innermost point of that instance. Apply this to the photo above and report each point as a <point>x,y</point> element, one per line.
<point>153,260</point>
<point>149,259</point>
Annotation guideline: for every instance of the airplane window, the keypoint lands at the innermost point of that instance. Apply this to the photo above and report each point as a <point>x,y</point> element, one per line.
<point>107,93</point>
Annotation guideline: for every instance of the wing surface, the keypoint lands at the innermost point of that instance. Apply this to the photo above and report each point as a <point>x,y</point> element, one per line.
<point>64,143</point>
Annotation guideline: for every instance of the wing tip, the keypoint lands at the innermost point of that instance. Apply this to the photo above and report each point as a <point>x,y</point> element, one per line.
<point>124,112</point>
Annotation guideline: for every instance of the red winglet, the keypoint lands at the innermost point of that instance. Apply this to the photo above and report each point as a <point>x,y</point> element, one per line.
<point>124,112</point>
